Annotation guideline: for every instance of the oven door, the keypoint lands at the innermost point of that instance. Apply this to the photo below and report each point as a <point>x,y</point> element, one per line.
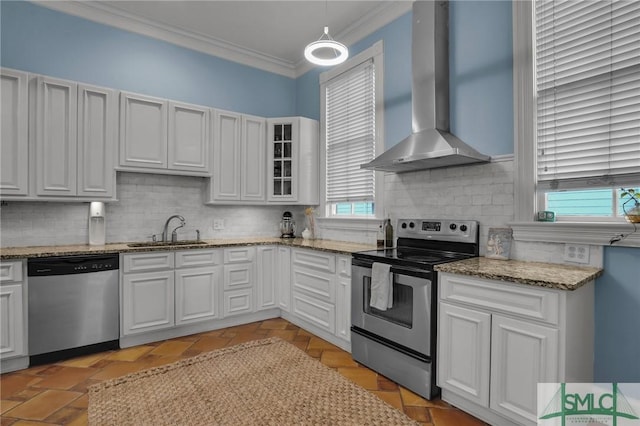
<point>407,322</point>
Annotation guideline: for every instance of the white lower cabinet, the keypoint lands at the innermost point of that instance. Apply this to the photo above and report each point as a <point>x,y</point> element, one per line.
<point>239,280</point>
<point>166,293</point>
<point>266,276</point>
<point>13,311</point>
<point>321,294</point>
<point>283,278</point>
<point>497,341</point>
<point>161,290</point>
<point>148,301</point>
<point>197,294</point>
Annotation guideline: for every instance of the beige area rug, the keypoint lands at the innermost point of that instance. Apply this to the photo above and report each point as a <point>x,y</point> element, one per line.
<point>264,382</point>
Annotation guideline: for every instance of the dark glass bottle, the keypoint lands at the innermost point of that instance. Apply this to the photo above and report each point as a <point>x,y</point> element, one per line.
<point>388,234</point>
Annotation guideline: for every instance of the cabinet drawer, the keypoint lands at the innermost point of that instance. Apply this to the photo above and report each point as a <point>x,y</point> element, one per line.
<point>143,262</point>
<point>239,254</point>
<point>238,276</point>
<point>11,272</point>
<point>315,283</point>
<point>238,302</point>
<point>527,302</point>
<point>314,259</point>
<point>195,258</point>
<point>316,312</point>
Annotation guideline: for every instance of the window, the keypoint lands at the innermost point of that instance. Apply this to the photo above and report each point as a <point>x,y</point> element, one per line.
<point>587,87</point>
<point>351,119</point>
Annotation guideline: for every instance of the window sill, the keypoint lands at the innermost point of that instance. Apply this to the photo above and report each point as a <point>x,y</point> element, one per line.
<point>349,224</point>
<point>592,233</point>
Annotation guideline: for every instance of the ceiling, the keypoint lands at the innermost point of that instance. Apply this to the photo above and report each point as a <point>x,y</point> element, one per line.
<point>270,35</point>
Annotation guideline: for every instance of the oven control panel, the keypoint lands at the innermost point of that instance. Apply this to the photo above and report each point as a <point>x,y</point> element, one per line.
<point>438,229</point>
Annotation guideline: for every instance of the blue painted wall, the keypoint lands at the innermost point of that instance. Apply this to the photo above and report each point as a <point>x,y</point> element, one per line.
<point>617,352</point>
<point>481,74</point>
<point>44,41</point>
<point>481,81</point>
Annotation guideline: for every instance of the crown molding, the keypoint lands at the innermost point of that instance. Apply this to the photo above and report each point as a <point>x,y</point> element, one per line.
<point>104,14</point>
<point>113,17</point>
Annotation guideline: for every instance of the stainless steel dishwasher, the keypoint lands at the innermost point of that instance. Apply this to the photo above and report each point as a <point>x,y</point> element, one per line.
<point>73,306</point>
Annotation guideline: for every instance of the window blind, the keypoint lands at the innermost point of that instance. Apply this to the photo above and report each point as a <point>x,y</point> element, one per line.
<point>588,93</point>
<point>350,134</point>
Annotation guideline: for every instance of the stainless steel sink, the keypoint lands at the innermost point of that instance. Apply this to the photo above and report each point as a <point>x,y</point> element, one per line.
<point>166,243</point>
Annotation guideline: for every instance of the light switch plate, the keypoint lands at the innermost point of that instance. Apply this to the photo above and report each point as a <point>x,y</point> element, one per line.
<point>576,253</point>
<point>218,224</point>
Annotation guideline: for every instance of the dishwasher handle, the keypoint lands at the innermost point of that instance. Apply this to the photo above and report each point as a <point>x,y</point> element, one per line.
<point>70,265</point>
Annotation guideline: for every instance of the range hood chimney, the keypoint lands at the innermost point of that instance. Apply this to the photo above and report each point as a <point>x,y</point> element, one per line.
<point>431,145</point>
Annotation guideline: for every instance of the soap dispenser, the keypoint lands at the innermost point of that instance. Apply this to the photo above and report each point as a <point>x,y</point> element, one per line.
<point>97,234</point>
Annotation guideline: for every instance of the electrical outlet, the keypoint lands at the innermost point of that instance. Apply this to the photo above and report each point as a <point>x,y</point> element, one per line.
<point>577,253</point>
<point>218,224</point>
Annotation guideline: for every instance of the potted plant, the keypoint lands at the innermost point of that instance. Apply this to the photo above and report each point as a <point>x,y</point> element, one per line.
<point>631,204</point>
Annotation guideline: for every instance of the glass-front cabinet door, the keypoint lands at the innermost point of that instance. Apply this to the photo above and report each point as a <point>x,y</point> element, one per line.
<point>283,141</point>
<point>282,159</point>
<point>293,161</point>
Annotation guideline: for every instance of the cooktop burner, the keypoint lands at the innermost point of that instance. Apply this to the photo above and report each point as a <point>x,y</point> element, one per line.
<point>423,243</point>
<point>411,256</point>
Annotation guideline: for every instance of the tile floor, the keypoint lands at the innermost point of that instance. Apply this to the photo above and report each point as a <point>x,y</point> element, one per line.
<point>55,394</point>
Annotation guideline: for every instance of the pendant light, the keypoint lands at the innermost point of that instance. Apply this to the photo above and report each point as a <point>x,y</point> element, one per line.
<point>326,51</point>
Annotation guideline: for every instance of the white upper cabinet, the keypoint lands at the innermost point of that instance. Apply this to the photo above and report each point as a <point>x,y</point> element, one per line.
<point>97,125</point>
<point>143,131</point>
<point>160,136</point>
<point>56,115</point>
<point>253,152</point>
<point>238,158</point>
<point>292,161</point>
<point>14,149</point>
<point>225,183</point>
<point>74,139</point>
<point>188,142</point>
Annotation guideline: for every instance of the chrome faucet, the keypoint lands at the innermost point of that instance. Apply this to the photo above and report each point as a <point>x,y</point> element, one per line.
<point>174,234</point>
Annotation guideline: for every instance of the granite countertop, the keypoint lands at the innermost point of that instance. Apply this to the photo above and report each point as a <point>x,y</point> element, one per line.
<point>551,275</point>
<point>341,247</point>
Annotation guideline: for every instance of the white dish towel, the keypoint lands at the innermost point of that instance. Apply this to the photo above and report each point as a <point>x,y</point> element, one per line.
<point>381,286</point>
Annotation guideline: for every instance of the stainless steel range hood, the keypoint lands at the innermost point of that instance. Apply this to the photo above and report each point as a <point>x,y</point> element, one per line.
<point>431,145</point>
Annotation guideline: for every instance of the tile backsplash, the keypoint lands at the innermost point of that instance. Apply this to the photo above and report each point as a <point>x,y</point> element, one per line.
<point>482,192</point>
<point>145,201</point>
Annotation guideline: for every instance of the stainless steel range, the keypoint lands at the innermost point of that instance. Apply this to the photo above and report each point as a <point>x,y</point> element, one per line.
<point>400,341</point>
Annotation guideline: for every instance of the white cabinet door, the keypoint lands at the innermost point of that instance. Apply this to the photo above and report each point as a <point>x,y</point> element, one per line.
<point>225,181</point>
<point>283,271</point>
<point>292,161</point>
<point>283,145</point>
<point>143,131</point>
<point>266,286</point>
<point>14,151</point>
<point>96,141</point>
<point>198,292</point>
<point>188,141</point>
<point>253,162</point>
<point>522,354</point>
<point>11,321</point>
<point>55,137</point>
<point>464,348</point>
<point>148,302</point>
<point>343,298</point>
